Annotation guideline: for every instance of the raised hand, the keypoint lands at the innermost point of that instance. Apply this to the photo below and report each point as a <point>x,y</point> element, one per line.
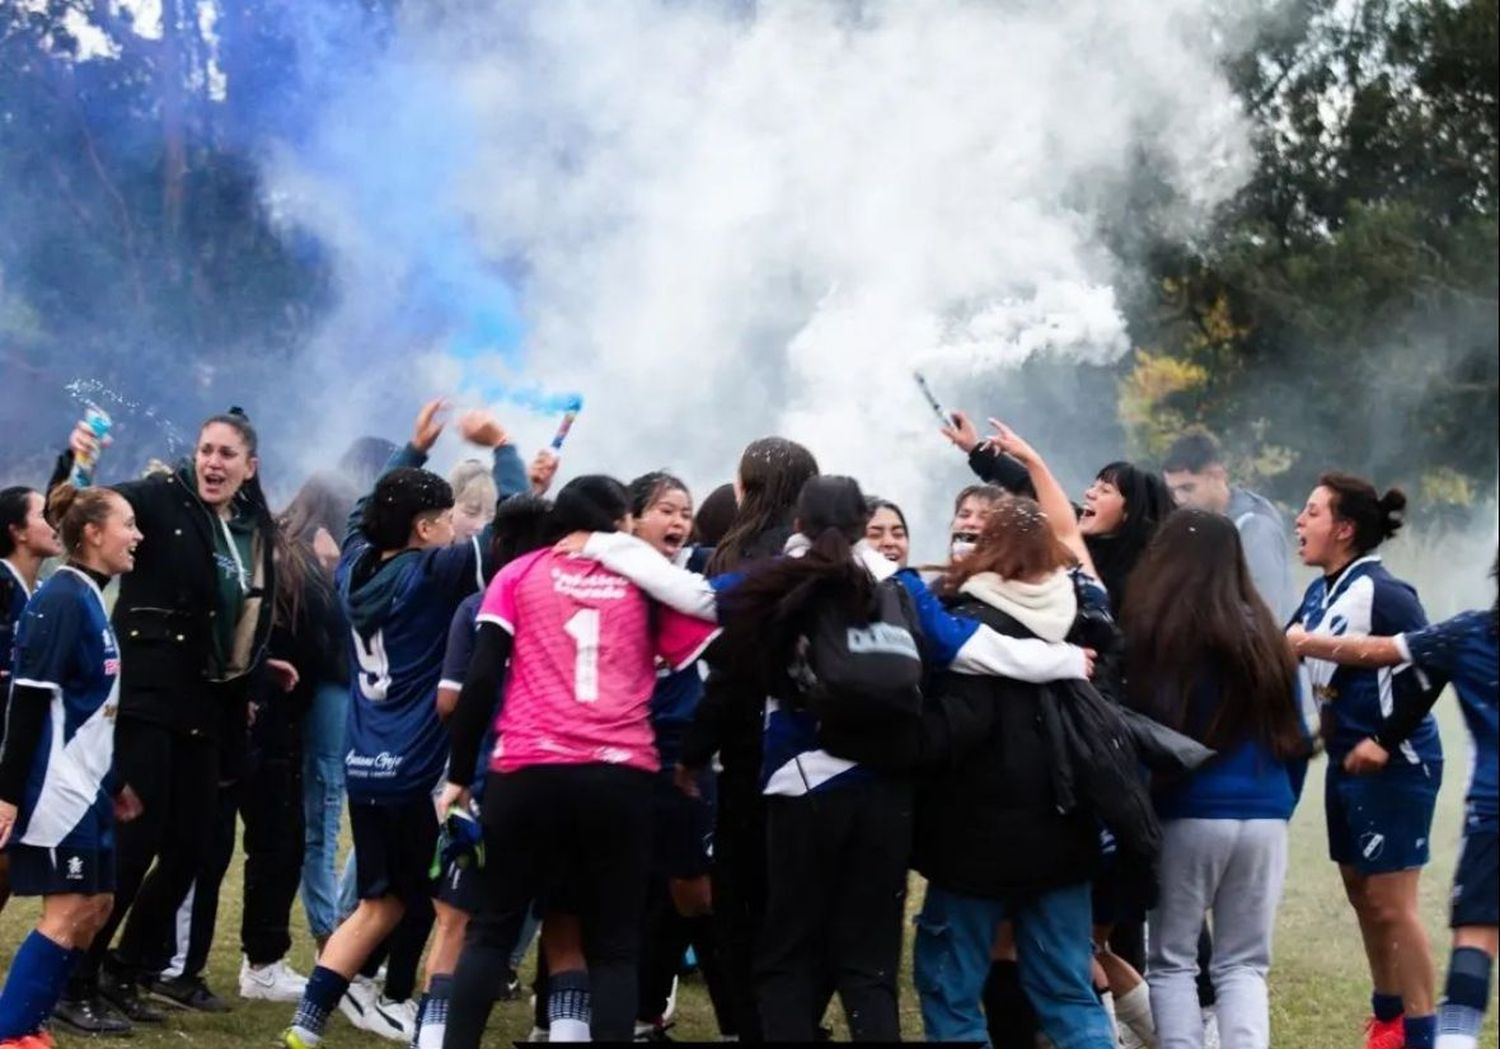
<point>962,432</point>
<point>1008,441</point>
<point>542,470</point>
<point>482,428</point>
<point>429,426</point>
<point>84,443</point>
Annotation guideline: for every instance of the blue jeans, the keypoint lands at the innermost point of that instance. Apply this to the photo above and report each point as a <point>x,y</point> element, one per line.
<point>1054,952</point>
<point>325,730</point>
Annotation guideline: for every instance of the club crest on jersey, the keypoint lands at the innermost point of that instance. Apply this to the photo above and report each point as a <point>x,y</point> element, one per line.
<point>75,868</point>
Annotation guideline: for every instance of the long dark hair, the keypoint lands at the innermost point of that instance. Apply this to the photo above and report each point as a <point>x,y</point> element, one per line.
<point>324,502</point>
<point>765,614</point>
<point>15,507</point>
<point>523,523</point>
<point>1192,618</point>
<point>1148,501</point>
<point>772,473</point>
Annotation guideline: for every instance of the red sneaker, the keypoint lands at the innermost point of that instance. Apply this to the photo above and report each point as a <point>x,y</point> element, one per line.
<point>1385,1034</point>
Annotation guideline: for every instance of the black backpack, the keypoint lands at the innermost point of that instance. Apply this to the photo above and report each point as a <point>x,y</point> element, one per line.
<point>861,677</point>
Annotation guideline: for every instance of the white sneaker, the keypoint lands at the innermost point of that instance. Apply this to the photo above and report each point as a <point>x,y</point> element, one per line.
<point>1130,1040</point>
<point>394,1020</point>
<point>277,982</point>
<point>359,1001</point>
<point>1210,1029</point>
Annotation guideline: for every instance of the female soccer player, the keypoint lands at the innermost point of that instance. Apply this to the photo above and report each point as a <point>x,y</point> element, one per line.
<point>569,790</point>
<point>1378,825</point>
<point>26,540</point>
<point>55,767</point>
<point>1461,650</point>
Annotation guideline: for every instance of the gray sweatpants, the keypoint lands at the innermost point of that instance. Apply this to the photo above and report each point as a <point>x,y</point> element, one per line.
<point>1232,870</point>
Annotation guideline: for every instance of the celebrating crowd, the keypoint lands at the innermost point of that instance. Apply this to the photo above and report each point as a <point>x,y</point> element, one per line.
<point>639,733</point>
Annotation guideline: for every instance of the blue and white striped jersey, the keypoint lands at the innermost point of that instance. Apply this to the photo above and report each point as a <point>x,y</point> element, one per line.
<point>1365,599</point>
<point>66,648</point>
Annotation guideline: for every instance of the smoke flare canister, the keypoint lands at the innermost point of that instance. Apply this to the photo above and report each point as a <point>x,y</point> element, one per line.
<point>99,422</point>
<point>937,407</point>
<point>570,415</point>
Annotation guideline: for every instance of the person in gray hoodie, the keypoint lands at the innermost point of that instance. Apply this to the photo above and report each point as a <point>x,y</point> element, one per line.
<point>1194,470</point>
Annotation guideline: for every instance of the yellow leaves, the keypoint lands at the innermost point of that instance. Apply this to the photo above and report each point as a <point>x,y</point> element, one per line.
<point>1150,423</point>
<point>1443,484</point>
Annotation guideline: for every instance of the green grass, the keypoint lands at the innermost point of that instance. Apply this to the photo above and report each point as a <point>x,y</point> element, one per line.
<point>1319,985</point>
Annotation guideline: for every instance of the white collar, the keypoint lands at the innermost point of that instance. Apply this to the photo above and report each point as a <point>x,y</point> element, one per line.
<point>17,574</point>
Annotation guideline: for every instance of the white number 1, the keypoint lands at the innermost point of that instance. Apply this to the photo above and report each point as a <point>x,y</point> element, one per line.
<point>583,628</point>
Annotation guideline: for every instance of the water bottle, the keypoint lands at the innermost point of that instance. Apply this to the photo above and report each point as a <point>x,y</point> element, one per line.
<point>98,421</point>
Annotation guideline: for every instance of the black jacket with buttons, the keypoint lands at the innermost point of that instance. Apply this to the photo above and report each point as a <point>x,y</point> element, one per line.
<point>167,606</point>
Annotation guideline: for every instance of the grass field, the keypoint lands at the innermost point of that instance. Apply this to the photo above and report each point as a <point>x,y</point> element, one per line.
<point>1319,986</point>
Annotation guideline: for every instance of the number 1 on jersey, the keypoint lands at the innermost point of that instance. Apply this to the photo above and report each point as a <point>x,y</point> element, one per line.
<point>583,628</point>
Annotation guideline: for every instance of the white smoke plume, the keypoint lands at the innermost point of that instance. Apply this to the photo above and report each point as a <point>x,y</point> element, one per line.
<point>722,220</point>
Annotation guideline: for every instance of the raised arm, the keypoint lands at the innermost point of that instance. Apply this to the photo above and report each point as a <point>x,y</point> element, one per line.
<point>1049,493</point>
<point>428,428</point>
<point>988,463</point>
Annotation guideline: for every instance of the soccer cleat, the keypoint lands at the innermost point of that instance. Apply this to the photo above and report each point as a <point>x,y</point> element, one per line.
<point>291,1039</point>
<point>91,1016</point>
<point>125,995</point>
<point>277,982</point>
<point>187,992</point>
<point>1385,1034</point>
<point>396,1021</point>
<point>359,1001</point>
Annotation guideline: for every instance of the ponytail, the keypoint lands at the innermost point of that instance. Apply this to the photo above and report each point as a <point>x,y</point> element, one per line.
<point>72,509</point>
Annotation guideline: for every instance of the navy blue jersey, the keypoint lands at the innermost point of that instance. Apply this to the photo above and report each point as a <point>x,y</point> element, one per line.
<point>675,698</point>
<point>456,658</point>
<point>400,611</point>
<point>66,648</point>
<point>1365,599</point>
<point>1461,650</point>
<point>13,598</point>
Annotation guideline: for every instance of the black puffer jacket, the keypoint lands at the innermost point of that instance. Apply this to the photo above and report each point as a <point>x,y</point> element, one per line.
<point>167,607</point>
<point>989,818</point>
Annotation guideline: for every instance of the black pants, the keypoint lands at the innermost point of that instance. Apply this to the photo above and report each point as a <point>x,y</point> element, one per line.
<point>203,915</point>
<point>835,908</point>
<point>271,806</point>
<point>589,825</point>
<point>739,891</point>
<point>665,937</point>
<point>176,777</point>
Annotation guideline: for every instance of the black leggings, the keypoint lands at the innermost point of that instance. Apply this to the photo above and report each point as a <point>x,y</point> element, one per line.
<point>176,776</point>
<point>590,825</point>
<point>835,910</point>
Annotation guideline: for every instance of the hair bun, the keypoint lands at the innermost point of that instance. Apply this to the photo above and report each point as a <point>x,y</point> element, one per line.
<point>1393,508</point>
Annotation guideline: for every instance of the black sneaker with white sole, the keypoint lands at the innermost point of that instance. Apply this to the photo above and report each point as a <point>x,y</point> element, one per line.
<point>91,1016</point>
<point>187,992</point>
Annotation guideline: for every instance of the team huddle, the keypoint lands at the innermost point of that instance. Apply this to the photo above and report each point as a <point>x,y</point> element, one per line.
<point>654,735</point>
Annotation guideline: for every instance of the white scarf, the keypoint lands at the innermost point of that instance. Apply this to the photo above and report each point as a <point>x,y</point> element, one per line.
<point>1047,608</point>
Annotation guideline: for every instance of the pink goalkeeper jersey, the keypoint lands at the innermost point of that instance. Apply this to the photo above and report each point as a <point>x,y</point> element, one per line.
<point>583,666</point>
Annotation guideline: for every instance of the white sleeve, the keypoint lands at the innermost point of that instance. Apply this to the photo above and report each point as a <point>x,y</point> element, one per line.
<point>1020,659</point>
<point>687,592</point>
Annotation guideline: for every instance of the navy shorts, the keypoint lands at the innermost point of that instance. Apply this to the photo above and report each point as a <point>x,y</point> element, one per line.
<point>683,831</point>
<point>461,888</point>
<point>393,848</point>
<point>1381,823</point>
<point>1476,900</point>
<point>39,871</point>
